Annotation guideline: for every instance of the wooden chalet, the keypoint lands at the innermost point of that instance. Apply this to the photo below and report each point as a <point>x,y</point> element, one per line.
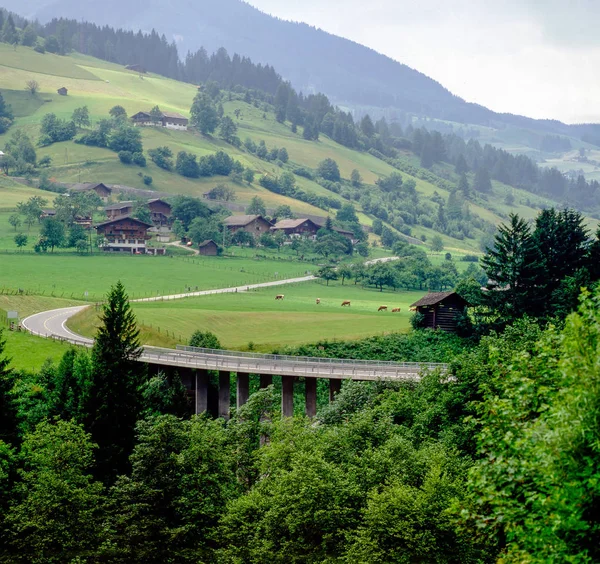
<point>170,120</point>
<point>254,224</point>
<point>47,213</point>
<point>119,209</point>
<point>208,248</point>
<point>62,91</point>
<point>297,228</point>
<point>124,234</point>
<point>102,190</point>
<point>441,310</point>
<point>160,212</point>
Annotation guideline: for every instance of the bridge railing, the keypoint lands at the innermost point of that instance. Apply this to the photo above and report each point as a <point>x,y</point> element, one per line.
<point>312,359</point>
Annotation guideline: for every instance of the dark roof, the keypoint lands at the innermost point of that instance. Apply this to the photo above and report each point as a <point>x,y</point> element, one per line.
<point>119,206</point>
<point>121,218</point>
<point>206,243</point>
<point>435,298</point>
<point>321,222</point>
<point>292,223</point>
<point>241,220</point>
<point>173,115</point>
<point>85,186</point>
<point>154,200</point>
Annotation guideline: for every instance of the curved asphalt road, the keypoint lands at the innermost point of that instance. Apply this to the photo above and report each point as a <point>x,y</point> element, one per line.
<point>53,323</point>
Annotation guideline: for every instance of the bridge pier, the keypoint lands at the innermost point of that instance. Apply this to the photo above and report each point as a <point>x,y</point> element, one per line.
<point>243,388</point>
<point>265,380</point>
<point>310,396</point>
<point>287,396</point>
<point>200,391</point>
<point>224,394</point>
<point>335,385</point>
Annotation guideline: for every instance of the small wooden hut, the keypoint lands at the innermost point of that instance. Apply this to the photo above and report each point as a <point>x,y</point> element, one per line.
<point>441,310</point>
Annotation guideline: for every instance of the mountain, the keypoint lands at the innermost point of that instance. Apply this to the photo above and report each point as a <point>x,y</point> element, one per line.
<point>313,60</point>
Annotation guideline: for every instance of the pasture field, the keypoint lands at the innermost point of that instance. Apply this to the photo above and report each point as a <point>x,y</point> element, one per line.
<point>70,276</point>
<point>255,316</point>
<point>27,352</point>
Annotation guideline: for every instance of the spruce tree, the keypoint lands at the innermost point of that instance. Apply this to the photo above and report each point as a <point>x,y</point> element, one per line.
<point>8,409</point>
<point>114,397</point>
<point>515,272</point>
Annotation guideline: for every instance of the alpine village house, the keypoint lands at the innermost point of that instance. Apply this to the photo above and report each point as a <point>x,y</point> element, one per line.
<point>124,234</point>
<point>170,120</point>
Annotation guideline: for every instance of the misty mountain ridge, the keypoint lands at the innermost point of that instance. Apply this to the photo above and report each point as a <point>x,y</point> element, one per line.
<point>313,60</point>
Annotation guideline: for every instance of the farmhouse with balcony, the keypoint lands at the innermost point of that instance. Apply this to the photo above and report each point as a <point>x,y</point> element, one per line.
<point>441,310</point>
<point>119,209</point>
<point>170,120</point>
<point>208,248</point>
<point>160,211</point>
<point>253,224</point>
<point>124,234</point>
<point>102,190</point>
<point>297,228</point>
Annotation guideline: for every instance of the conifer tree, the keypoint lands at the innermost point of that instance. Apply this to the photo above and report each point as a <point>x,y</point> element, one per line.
<point>8,409</point>
<point>114,396</point>
<point>514,269</point>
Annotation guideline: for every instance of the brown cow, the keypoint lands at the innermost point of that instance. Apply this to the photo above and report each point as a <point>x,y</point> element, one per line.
<point>413,309</point>
<point>318,301</point>
<point>396,310</point>
<point>382,308</point>
<point>279,297</point>
<point>346,303</point>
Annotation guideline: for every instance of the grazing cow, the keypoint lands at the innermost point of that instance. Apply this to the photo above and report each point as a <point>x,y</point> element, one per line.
<point>396,310</point>
<point>382,308</point>
<point>346,303</point>
<point>413,309</point>
<point>279,297</point>
<point>318,301</point>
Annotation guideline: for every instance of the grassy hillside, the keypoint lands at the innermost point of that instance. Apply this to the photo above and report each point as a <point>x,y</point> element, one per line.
<point>100,86</point>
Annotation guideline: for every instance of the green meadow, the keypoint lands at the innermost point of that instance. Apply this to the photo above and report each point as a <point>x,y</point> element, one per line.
<point>256,317</point>
<point>71,276</point>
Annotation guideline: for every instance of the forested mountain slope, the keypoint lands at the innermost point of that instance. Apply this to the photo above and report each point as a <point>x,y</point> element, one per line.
<point>313,60</point>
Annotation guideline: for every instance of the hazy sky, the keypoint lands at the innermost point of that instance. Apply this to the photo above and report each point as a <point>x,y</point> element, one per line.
<point>538,58</point>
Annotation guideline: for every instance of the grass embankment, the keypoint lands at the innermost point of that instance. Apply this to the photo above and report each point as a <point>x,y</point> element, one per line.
<point>238,319</point>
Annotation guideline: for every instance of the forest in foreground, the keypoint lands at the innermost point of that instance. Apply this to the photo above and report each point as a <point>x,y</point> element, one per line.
<point>497,461</point>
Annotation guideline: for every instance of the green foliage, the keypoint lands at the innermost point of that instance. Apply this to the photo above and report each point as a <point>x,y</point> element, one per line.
<point>54,130</point>
<point>54,497</point>
<point>21,240</point>
<point>329,170</point>
<point>204,114</point>
<point>162,157</point>
<point>81,117</point>
<point>53,232</point>
<point>114,396</point>
<point>204,340</point>
<point>256,207</point>
<point>186,209</point>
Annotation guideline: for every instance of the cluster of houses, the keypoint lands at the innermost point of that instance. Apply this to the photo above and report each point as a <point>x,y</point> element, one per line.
<point>122,232</point>
<point>257,225</point>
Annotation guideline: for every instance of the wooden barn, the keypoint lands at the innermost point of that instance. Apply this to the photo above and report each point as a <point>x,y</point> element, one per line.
<point>102,190</point>
<point>62,91</point>
<point>441,310</point>
<point>124,234</point>
<point>254,224</point>
<point>208,248</point>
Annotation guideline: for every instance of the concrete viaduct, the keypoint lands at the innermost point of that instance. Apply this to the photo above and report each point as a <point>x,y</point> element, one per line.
<point>194,364</point>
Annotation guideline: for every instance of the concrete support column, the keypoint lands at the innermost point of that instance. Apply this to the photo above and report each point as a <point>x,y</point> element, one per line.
<point>201,391</point>
<point>310,396</point>
<point>335,386</point>
<point>243,388</point>
<point>224,394</point>
<point>287,396</point>
<point>265,380</point>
